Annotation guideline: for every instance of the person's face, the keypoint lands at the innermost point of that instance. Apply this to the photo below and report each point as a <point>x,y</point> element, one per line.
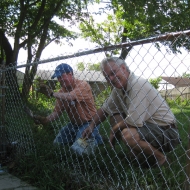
<point>116,75</point>
<point>66,80</point>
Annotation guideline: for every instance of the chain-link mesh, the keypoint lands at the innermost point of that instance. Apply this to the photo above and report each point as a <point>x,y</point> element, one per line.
<point>105,168</point>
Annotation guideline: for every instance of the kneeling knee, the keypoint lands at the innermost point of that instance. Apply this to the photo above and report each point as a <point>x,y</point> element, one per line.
<point>129,134</point>
<point>126,134</point>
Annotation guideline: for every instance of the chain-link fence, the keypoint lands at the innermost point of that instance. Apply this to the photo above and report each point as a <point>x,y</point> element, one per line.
<point>2,127</point>
<point>104,168</point>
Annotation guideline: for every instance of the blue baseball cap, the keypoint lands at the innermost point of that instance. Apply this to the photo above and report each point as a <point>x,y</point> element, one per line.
<point>62,68</point>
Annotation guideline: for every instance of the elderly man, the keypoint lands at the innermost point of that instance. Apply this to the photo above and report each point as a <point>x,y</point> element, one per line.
<point>139,115</point>
<point>75,97</point>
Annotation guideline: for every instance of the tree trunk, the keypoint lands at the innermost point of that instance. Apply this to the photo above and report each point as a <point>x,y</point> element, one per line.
<point>124,50</point>
<point>30,74</point>
<point>10,74</point>
<point>27,81</point>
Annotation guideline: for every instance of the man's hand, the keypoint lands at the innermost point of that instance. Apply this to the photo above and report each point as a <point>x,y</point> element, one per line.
<point>40,120</point>
<point>45,89</point>
<point>87,132</point>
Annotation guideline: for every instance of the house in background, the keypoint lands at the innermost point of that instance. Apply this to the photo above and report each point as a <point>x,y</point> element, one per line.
<point>181,88</point>
<point>94,78</point>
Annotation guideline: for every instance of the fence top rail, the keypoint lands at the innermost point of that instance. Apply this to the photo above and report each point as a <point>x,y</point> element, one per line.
<point>169,36</point>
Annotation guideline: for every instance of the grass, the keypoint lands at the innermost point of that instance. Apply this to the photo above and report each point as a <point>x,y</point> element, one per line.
<point>50,167</point>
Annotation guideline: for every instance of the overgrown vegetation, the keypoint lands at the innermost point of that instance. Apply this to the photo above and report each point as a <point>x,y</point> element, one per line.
<point>51,167</point>
<point>99,100</point>
<point>155,82</point>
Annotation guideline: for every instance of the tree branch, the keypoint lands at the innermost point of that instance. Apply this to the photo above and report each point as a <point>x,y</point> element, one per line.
<point>124,50</point>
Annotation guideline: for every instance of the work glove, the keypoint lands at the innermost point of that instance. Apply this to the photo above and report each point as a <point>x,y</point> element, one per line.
<point>46,90</point>
<point>40,120</point>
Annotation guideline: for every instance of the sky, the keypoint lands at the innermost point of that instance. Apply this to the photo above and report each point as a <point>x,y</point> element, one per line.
<point>79,45</point>
<point>145,61</point>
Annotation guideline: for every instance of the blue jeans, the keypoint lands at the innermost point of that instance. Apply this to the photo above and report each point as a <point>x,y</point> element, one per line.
<point>70,133</point>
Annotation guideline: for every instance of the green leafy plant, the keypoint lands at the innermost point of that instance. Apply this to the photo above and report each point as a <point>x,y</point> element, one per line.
<point>186,75</point>
<point>155,82</point>
<point>99,100</point>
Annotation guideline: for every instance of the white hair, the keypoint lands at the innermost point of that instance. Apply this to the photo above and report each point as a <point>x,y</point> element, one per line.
<point>118,61</point>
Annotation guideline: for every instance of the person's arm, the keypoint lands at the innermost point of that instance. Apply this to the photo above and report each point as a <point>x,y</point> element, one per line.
<point>51,117</point>
<point>47,91</point>
<point>99,117</point>
<point>45,120</point>
<point>64,96</point>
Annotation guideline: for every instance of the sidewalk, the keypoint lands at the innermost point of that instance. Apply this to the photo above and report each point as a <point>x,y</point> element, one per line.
<point>10,182</point>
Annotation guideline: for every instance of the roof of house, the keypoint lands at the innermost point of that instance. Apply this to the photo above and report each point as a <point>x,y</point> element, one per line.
<point>89,76</point>
<point>178,81</point>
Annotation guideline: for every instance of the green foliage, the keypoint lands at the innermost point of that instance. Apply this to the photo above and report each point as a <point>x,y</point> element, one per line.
<point>158,16</point>
<point>104,34</point>
<point>33,26</point>
<point>181,103</point>
<point>134,20</point>
<point>90,66</point>
<point>100,99</point>
<point>30,20</point>
<point>186,75</point>
<point>57,87</point>
<point>94,67</point>
<point>45,105</point>
<point>155,82</point>
<point>80,66</point>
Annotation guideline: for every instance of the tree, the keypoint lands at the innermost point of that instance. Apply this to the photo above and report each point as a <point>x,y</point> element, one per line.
<point>90,66</point>
<point>155,82</point>
<point>159,17</point>
<point>80,66</point>
<point>186,75</point>
<point>108,32</point>
<point>31,25</point>
<point>135,20</point>
<point>94,67</point>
